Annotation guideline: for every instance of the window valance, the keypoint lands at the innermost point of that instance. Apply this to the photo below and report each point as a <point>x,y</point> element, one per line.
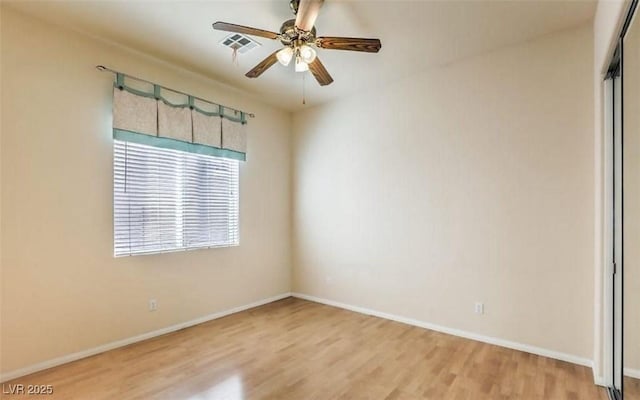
<point>150,114</point>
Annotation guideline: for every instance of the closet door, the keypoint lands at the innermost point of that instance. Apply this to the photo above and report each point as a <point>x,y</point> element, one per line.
<point>631,209</point>
<point>617,267</point>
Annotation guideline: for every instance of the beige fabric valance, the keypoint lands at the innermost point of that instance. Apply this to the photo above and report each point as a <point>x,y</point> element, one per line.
<point>159,117</point>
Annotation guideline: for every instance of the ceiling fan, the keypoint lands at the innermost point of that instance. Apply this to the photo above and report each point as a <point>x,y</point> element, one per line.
<point>299,37</point>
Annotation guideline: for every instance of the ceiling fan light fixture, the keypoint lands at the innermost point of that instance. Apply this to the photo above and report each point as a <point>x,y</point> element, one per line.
<point>307,53</point>
<point>284,56</point>
<point>301,66</point>
<point>299,38</point>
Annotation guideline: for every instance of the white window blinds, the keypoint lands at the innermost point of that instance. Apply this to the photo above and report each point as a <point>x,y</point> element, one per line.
<point>168,200</point>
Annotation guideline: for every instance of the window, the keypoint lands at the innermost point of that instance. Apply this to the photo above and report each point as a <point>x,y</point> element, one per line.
<point>169,200</point>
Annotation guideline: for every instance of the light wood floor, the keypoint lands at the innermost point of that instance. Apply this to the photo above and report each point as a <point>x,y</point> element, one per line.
<point>295,349</point>
<point>631,388</point>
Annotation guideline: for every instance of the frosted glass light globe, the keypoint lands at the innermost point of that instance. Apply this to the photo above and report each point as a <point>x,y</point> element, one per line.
<point>307,53</point>
<point>284,56</point>
<point>301,66</point>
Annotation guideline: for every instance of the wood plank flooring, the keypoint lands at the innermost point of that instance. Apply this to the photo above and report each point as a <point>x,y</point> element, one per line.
<point>631,388</point>
<point>295,349</point>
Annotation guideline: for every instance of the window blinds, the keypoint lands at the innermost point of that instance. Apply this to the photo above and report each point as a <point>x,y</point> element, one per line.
<point>168,200</point>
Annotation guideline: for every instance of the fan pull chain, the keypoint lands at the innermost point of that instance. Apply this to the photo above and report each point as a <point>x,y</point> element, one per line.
<point>304,101</point>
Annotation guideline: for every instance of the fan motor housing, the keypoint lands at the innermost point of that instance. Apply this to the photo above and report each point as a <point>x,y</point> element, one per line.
<point>289,33</point>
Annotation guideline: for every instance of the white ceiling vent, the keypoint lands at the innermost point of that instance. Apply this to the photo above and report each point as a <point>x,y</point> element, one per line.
<point>241,43</point>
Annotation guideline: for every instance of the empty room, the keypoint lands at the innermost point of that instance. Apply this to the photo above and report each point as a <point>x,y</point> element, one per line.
<point>309,199</point>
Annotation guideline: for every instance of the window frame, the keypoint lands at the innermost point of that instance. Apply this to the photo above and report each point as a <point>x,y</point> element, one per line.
<point>181,233</point>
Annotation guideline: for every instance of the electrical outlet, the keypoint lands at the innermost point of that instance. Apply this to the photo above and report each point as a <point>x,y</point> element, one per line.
<point>153,304</point>
<point>479,308</point>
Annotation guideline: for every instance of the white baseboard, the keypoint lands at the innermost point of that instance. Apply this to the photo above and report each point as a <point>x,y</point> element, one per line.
<point>451,331</point>
<point>362,310</point>
<point>600,381</point>
<point>124,342</point>
<point>632,373</point>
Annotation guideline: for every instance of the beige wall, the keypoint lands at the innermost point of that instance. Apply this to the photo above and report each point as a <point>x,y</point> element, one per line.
<point>2,281</point>
<point>62,290</point>
<point>469,183</point>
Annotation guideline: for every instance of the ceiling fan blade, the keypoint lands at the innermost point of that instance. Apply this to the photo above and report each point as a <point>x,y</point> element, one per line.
<point>307,13</point>
<point>352,44</point>
<point>247,30</point>
<point>320,72</point>
<point>263,66</point>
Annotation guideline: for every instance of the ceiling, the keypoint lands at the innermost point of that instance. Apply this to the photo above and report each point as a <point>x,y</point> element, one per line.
<point>415,35</point>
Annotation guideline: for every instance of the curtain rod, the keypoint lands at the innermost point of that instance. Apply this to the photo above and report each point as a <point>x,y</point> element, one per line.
<point>103,68</point>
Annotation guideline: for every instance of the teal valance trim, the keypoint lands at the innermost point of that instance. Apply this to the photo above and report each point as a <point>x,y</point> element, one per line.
<point>242,119</point>
<point>168,143</point>
<point>157,94</point>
